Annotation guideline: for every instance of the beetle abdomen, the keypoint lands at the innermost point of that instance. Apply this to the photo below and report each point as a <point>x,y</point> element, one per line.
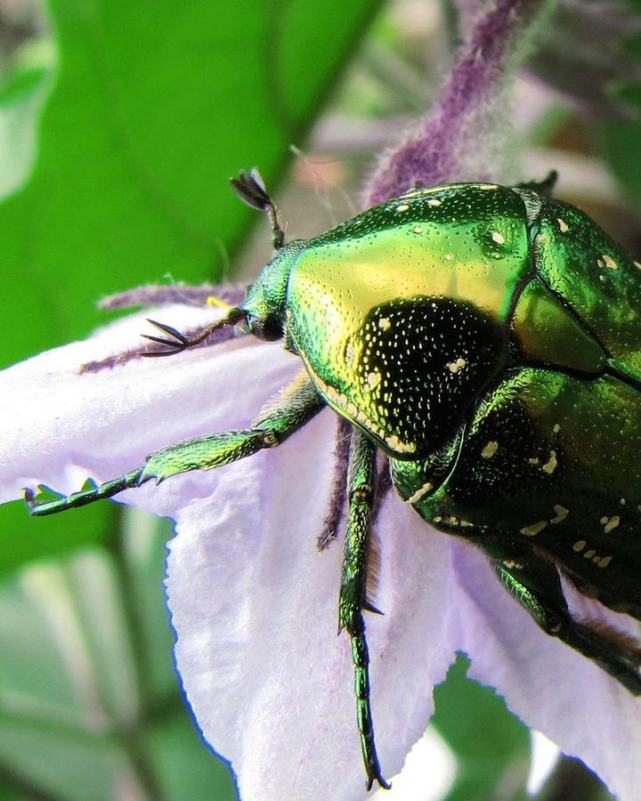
<point>554,461</point>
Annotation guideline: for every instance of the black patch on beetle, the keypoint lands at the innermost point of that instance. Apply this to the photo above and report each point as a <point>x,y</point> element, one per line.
<point>434,356</point>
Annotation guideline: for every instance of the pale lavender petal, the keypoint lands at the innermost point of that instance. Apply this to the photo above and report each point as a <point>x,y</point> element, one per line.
<point>59,426</point>
<point>255,607</point>
<point>254,602</point>
<point>548,685</point>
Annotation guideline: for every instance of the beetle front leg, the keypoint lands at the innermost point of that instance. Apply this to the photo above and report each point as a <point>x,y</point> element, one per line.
<point>352,601</point>
<point>537,586</point>
<point>291,410</point>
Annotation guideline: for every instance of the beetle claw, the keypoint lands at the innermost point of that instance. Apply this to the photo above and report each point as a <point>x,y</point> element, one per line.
<point>168,329</point>
<point>175,345</point>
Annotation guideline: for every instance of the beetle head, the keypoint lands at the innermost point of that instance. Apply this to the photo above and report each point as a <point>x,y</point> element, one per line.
<point>264,306</point>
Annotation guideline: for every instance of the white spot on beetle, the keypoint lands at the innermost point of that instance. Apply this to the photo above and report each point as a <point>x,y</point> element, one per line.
<point>350,353</point>
<point>498,238</point>
<point>609,262</point>
<point>556,428</point>
<point>418,229</point>
<point>373,379</point>
<point>563,226</point>
<point>589,554</point>
<point>533,460</point>
<point>384,324</point>
<point>490,449</point>
<point>402,207</point>
<point>420,493</point>
<point>561,513</point>
<point>457,366</point>
<point>604,561</point>
<point>397,444</point>
<point>533,529</point>
<point>579,545</point>
<point>552,463</point>
<point>611,524</point>
<point>433,201</point>
<point>637,264</point>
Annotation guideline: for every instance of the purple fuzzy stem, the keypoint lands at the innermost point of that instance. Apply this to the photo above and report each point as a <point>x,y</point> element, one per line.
<point>444,145</point>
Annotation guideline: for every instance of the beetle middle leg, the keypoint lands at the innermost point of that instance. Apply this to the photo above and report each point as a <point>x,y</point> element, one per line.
<point>537,586</point>
<point>292,409</point>
<point>353,600</point>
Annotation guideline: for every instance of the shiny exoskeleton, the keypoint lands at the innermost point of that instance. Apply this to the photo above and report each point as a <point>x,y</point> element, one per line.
<point>488,340</point>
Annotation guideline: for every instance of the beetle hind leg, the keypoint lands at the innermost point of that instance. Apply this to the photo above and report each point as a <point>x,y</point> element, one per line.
<point>353,598</point>
<point>291,410</point>
<point>537,587</point>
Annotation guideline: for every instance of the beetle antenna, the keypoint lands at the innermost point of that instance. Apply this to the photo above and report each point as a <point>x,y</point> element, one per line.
<point>250,188</point>
<point>175,342</point>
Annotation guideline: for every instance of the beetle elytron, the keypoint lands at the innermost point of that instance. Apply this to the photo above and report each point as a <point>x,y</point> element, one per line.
<point>488,340</point>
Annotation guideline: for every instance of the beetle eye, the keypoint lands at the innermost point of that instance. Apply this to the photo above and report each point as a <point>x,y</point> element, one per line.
<point>268,329</point>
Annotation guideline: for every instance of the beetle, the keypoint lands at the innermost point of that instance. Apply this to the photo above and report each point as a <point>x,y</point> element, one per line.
<point>486,339</point>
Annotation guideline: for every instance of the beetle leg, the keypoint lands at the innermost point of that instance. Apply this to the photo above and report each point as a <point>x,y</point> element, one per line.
<point>291,410</point>
<point>352,601</point>
<point>537,586</point>
<point>544,187</point>
<point>332,521</point>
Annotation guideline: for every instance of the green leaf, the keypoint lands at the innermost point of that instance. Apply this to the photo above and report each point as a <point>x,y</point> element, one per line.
<point>26,538</point>
<point>177,753</point>
<point>618,143</point>
<point>618,139</point>
<point>499,757</point>
<point>89,702</point>
<point>155,105</point>
<point>20,100</point>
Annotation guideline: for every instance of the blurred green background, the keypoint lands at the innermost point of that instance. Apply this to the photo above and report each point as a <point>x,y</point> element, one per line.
<point>120,125</point>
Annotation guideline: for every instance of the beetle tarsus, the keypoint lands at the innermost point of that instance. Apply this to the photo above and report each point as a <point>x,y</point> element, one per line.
<point>352,599</point>
<point>83,497</point>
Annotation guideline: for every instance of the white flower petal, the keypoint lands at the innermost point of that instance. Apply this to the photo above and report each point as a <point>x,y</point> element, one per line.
<point>547,684</point>
<point>58,426</point>
<point>254,603</point>
<point>255,608</point>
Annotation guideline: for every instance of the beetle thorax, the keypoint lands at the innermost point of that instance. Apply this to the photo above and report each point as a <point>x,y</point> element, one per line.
<point>405,370</point>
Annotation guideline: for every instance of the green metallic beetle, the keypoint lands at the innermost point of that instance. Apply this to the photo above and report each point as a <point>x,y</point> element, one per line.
<point>488,340</point>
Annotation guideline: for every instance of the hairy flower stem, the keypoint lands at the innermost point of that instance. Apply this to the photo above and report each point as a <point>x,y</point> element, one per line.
<point>458,137</point>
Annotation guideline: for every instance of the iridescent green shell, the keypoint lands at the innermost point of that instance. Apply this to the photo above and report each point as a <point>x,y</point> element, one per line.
<point>488,339</point>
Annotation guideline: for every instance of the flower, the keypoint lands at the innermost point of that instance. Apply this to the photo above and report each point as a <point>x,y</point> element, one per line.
<point>253,601</point>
